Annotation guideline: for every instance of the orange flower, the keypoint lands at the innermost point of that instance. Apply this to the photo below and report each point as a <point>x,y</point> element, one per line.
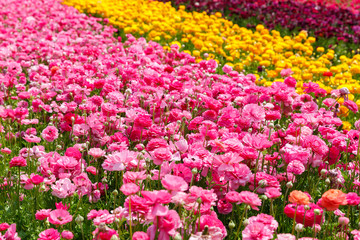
<point>332,199</point>
<point>298,197</point>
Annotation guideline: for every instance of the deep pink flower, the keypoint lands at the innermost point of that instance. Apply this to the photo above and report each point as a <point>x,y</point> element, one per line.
<point>17,162</point>
<point>4,226</point>
<point>140,236</point>
<point>49,234</point>
<point>256,231</point>
<point>295,167</point>
<point>50,133</point>
<point>36,179</point>
<point>273,193</point>
<point>351,106</point>
<point>42,214</point>
<point>253,112</point>
<point>59,217</point>
<point>67,235</point>
<point>251,199</point>
<point>352,199</point>
<point>160,155</point>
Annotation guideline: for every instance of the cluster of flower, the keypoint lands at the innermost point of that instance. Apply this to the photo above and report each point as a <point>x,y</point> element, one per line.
<point>263,52</point>
<point>320,17</point>
<point>149,144</point>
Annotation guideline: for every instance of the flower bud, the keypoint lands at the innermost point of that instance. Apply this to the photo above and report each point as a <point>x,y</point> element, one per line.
<point>194,171</point>
<point>323,172</point>
<point>178,237</point>
<point>115,192</point>
<point>299,227</point>
<point>263,183</point>
<point>343,221</point>
<point>289,185</point>
<point>114,237</point>
<point>307,207</point>
<point>231,224</point>
<point>317,211</point>
<point>246,222</point>
<point>79,219</point>
<point>327,181</point>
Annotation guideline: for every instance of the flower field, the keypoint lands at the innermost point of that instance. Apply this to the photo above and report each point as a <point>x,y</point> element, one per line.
<point>194,120</point>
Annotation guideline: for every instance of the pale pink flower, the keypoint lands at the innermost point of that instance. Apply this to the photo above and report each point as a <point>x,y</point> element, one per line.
<point>286,72</point>
<point>96,152</point>
<point>63,188</point>
<point>118,161</point>
<point>129,189</point>
<point>174,183</point>
<point>285,236</point>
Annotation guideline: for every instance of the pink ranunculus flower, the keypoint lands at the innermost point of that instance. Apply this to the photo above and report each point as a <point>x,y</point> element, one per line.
<point>50,133</point>
<point>59,217</point>
<point>352,199</point>
<point>295,167</point>
<point>17,162</point>
<point>256,231</point>
<point>67,235</point>
<point>160,155</point>
<point>253,112</point>
<point>250,198</point>
<point>174,183</point>
<point>49,234</point>
<point>273,193</point>
<point>285,236</point>
<point>140,236</point>
<point>129,189</point>
<point>351,106</point>
<point>63,188</point>
<point>42,214</point>
<point>96,152</point>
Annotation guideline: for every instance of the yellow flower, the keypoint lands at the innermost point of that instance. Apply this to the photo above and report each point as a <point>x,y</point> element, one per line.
<point>346,125</point>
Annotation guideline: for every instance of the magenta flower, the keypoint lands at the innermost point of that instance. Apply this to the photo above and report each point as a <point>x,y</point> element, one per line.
<point>49,234</point>
<point>251,199</point>
<point>17,162</point>
<point>50,133</point>
<point>257,231</point>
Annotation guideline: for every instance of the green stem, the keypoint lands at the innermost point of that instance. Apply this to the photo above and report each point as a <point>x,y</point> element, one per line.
<point>241,221</point>
<point>294,221</point>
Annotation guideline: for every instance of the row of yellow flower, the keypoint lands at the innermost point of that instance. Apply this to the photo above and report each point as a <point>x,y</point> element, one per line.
<point>212,36</point>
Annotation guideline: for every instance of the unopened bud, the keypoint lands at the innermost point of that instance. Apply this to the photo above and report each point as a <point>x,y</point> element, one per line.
<point>194,171</point>
<point>79,219</point>
<point>231,224</point>
<point>299,227</point>
<point>289,185</point>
